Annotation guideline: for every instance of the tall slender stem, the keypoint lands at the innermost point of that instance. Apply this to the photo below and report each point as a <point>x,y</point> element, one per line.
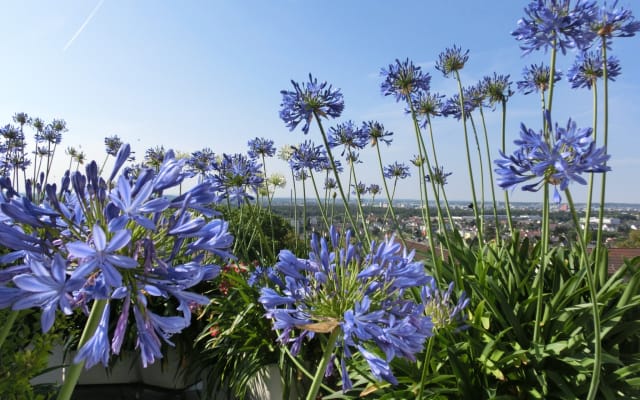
<point>324,361</point>
<point>76,368</point>
<point>481,173</point>
<point>322,210</point>
<point>597,352</point>
<point>340,189</point>
<point>396,225</point>
<point>469,166</point>
<point>507,204</point>
<point>7,325</point>
<point>493,189</point>
<point>425,366</point>
<point>605,133</point>
<point>587,216</point>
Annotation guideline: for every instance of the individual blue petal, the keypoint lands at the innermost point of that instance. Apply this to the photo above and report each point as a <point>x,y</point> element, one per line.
<point>97,348</point>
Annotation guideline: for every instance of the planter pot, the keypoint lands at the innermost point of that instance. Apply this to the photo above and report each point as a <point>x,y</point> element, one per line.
<point>124,370</point>
<point>167,372</point>
<point>267,385</point>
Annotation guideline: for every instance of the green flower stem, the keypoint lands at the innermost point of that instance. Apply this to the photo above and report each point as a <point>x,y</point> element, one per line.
<point>491,182</point>
<point>591,175</point>
<point>322,210</point>
<point>295,208</point>
<point>396,225</point>
<point>335,173</point>
<point>481,172</point>
<point>302,368</point>
<point>304,207</point>
<point>425,366</point>
<point>365,225</point>
<point>507,204</point>
<point>426,216</point>
<point>469,166</point>
<point>597,352</point>
<point>425,154</point>
<point>436,192</point>
<point>552,77</point>
<point>435,160</point>
<point>539,281</point>
<point>266,184</point>
<point>75,369</point>
<point>7,325</point>
<point>322,367</point>
<point>605,133</point>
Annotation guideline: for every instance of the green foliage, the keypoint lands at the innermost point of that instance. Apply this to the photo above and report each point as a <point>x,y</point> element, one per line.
<point>632,241</point>
<point>496,357</point>
<point>23,356</point>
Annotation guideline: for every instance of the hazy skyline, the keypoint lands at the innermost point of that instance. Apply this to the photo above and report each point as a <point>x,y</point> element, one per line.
<point>201,74</point>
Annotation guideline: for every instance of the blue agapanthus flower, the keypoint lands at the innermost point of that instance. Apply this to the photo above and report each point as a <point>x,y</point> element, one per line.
<point>364,295</point>
<point>452,108</point>
<point>201,163</point>
<point>451,60</point>
<point>46,286</point>
<point>92,245</point>
<point>438,176</point>
<point>375,132</point>
<point>427,105</point>
<point>237,176</point>
<point>396,171</point>
<point>558,160</point>
<point>497,88</point>
<point>307,156</point>
<point>347,135</point>
<point>589,67</point>
<point>403,80</point>
<point>535,78</point>
<point>556,24</point>
<point>613,21</point>
<point>307,100</point>
<point>261,147</point>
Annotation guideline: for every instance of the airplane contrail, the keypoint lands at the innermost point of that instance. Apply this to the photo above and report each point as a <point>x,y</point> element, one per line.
<point>84,24</point>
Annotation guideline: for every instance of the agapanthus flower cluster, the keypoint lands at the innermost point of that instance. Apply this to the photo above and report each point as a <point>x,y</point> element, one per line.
<point>444,312</point>
<point>589,67</point>
<point>403,80</point>
<point>359,188</point>
<point>535,78</point>
<point>364,295</point>
<point>427,105</point>
<point>451,60</point>
<point>613,21</point>
<point>396,171</point>
<point>348,136</point>
<point>374,189</point>
<point>114,244</point>
<point>112,144</point>
<point>556,160</point>
<point>310,99</point>
<point>237,176</point>
<point>201,163</point>
<point>376,133</point>
<point>556,24</point>
<point>308,156</point>
<point>452,108</point>
<point>497,88</point>
<point>438,176</point>
<point>261,147</point>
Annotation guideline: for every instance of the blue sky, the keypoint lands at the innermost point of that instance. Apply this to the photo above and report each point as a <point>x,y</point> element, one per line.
<point>194,74</point>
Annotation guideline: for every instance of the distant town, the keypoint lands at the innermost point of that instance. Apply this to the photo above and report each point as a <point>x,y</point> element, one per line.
<point>621,222</point>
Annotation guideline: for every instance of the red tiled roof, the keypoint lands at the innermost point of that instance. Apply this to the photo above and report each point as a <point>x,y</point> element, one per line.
<point>617,255</point>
